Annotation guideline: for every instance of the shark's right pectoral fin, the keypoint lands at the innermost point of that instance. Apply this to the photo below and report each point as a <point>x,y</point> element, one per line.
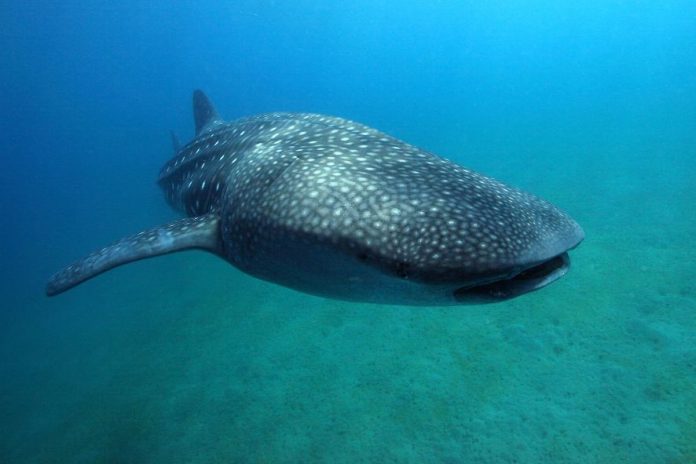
<point>198,232</point>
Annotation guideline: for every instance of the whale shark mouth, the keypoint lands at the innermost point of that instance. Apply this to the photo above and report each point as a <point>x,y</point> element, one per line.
<point>530,279</point>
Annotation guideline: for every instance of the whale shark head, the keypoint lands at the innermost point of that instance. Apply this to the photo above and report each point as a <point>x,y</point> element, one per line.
<point>461,238</point>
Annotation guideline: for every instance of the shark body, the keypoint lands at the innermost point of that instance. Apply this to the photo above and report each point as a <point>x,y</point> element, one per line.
<point>335,208</point>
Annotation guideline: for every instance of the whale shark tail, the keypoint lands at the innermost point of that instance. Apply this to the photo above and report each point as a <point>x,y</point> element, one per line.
<point>200,232</point>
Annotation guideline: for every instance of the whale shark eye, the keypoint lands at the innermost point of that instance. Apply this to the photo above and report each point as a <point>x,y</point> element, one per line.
<point>401,269</point>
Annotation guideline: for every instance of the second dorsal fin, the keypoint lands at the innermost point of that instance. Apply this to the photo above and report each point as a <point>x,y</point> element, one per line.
<point>204,114</point>
<point>176,144</point>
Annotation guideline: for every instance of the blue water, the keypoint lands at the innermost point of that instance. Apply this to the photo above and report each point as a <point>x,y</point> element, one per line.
<point>591,105</point>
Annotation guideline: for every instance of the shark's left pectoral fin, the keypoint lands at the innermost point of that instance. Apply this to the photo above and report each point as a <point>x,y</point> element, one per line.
<point>198,232</point>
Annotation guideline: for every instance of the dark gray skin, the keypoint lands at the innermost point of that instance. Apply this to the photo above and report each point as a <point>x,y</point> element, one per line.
<point>335,208</point>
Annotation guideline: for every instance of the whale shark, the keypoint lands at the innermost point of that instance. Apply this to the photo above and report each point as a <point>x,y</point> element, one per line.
<point>335,208</point>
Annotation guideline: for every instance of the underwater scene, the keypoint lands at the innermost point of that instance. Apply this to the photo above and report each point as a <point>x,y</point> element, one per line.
<point>409,232</point>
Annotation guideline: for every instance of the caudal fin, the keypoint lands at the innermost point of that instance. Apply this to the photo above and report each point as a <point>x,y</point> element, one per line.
<point>198,232</point>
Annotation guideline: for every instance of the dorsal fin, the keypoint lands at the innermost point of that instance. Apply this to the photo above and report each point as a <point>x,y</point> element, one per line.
<point>204,113</point>
<point>176,143</point>
<point>200,232</point>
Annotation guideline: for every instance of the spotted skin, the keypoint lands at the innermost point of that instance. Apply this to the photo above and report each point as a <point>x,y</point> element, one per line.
<point>184,234</point>
<point>336,208</point>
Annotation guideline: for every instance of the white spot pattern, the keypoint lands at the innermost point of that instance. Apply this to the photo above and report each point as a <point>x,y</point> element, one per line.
<point>316,179</point>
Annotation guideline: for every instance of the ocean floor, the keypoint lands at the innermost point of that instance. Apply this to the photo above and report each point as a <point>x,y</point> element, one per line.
<point>185,359</point>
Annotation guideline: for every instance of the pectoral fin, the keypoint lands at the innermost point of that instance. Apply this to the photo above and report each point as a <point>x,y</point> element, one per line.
<point>198,232</point>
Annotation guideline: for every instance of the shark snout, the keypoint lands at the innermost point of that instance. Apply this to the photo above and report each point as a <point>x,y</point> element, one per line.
<point>560,241</point>
<point>544,262</point>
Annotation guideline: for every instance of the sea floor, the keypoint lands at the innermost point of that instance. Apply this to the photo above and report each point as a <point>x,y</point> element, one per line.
<point>185,359</point>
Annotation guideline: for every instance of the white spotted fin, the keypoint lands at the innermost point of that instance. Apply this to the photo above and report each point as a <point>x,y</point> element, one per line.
<point>200,232</point>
